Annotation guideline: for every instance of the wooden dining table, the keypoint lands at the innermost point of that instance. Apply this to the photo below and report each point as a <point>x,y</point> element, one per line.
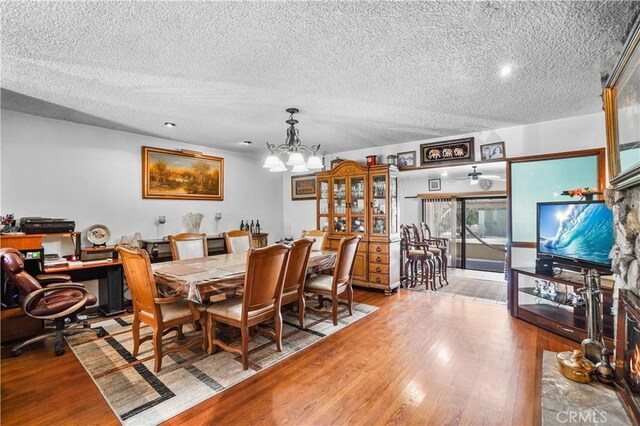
<point>199,277</point>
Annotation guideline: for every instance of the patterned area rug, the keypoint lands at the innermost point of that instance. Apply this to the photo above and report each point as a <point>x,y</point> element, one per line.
<point>139,396</point>
<point>482,290</point>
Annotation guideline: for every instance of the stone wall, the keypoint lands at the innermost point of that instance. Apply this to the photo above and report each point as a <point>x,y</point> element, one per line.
<point>626,250</point>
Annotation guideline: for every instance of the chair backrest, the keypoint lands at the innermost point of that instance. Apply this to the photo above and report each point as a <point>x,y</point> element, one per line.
<point>264,278</point>
<point>13,268</point>
<point>238,241</point>
<point>345,260</point>
<point>137,270</point>
<point>188,246</point>
<point>426,232</point>
<point>298,264</point>
<point>417,237</point>
<point>320,236</point>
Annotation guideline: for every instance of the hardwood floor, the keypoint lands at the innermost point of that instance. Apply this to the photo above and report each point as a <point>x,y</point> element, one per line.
<point>419,359</point>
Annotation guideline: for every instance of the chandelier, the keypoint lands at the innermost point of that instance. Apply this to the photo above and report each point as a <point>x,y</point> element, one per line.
<point>292,147</point>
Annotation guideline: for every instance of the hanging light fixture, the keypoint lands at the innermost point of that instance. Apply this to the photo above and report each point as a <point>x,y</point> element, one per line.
<point>292,148</point>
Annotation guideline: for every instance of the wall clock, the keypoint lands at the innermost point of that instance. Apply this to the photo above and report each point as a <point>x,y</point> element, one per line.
<point>486,184</point>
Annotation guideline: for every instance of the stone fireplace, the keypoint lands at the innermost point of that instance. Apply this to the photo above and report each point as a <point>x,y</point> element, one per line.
<point>625,257</point>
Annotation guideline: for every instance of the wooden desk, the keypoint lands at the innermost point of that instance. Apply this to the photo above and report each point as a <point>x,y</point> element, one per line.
<point>109,276</point>
<point>200,276</point>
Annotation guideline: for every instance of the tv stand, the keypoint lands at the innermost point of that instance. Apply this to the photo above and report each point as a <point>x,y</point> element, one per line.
<point>556,313</point>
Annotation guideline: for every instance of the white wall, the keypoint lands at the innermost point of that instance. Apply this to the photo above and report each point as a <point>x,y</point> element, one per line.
<point>92,175</point>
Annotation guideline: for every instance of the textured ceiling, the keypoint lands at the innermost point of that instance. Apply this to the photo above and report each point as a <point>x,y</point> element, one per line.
<point>362,73</point>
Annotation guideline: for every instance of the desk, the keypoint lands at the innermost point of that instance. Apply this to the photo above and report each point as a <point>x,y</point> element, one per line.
<point>199,276</point>
<point>109,276</point>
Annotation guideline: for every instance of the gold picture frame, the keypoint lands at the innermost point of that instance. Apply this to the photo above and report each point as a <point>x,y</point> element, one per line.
<point>303,187</point>
<point>181,175</point>
<point>621,99</point>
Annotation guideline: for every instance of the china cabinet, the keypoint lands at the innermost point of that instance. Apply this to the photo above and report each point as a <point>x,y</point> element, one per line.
<point>354,199</point>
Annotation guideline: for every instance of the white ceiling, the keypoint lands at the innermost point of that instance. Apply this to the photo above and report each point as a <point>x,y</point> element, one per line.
<point>362,73</point>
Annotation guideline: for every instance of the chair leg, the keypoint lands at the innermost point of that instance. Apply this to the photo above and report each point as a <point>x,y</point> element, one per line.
<point>277,319</point>
<point>320,301</point>
<point>350,299</point>
<point>445,265</point>
<point>179,332</point>
<point>245,347</point>
<point>334,309</point>
<point>211,327</point>
<point>157,349</point>
<point>302,306</point>
<point>135,331</point>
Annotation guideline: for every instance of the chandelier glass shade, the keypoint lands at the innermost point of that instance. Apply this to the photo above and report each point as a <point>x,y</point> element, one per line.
<point>292,150</point>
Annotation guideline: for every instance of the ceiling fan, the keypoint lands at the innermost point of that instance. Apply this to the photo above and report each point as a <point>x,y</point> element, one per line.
<point>475,176</point>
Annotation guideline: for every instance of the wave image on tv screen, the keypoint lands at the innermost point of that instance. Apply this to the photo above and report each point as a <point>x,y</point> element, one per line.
<point>576,231</point>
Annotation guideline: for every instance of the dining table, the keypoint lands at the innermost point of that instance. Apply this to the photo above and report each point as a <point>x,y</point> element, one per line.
<point>200,277</point>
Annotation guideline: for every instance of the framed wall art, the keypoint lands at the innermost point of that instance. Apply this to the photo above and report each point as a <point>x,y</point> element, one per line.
<point>407,160</point>
<point>434,185</point>
<point>303,187</point>
<point>181,175</point>
<point>621,97</point>
<point>492,151</point>
<point>453,151</point>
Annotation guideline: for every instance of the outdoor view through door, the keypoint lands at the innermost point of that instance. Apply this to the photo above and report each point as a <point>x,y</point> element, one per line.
<point>482,244</point>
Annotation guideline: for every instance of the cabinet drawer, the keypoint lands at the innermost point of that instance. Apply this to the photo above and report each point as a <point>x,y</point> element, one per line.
<point>379,258</point>
<point>379,248</point>
<point>378,268</point>
<point>379,278</point>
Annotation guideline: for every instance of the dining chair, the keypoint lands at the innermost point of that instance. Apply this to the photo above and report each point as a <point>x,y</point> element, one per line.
<point>320,237</point>
<point>238,241</point>
<point>261,301</point>
<point>332,286</point>
<point>440,243</point>
<point>417,256</point>
<point>438,253</point>
<point>296,276</point>
<point>188,246</point>
<point>162,314</point>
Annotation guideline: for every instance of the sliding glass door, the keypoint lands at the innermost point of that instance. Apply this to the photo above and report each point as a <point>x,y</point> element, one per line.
<point>485,236</point>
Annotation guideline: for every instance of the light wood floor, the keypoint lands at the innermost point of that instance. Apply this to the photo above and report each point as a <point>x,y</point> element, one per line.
<point>419,359</point>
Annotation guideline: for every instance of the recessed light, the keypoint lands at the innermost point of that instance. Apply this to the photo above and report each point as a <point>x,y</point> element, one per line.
<point>506,70</point>
<point>169,124</point>
<point>247,142</point>
<point>444,173</point>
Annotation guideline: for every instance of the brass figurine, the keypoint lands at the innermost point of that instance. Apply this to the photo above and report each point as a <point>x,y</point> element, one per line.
<point>574,366</point>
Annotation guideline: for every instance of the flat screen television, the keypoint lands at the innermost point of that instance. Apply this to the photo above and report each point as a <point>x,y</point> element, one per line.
<point>576,233</point>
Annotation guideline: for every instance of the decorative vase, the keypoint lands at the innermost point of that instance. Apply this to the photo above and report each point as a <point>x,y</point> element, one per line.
<point>193,222</point>
<point>604,370</point>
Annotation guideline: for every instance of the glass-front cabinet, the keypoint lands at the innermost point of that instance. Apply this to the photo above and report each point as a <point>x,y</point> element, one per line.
<point>354,199</point>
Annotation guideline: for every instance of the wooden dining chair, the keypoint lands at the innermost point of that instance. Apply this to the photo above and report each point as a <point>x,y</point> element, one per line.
<point>439,258</point>
<point>261,301</point>
<point>332,286</point>
<point>188,246</point>
<point>440,243</point>
<point>420,263</point>
<point>163,315</point>
<point>320,237</point>
<point>238,241</point>
<point>296,276</point>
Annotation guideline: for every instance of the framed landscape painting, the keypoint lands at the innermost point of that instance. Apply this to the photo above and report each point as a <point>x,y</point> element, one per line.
<point>181,175</point>
<point>303,187</point>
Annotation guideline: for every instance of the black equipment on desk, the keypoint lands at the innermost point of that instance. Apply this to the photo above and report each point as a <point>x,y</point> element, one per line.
<point>44,225</point>
<point>544,266</point>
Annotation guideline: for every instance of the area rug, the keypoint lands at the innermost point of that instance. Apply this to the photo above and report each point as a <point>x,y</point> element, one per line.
<point>138,396</point>
<point>481,290</point>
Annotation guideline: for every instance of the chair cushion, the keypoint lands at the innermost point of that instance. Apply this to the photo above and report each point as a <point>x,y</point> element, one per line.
<point>172,311</point>
<point>45,279</point>
<point>232,308</point>
<point>319,282</point>
<point>58,301</point>
<point>435,251</point>
<point>420,254</point>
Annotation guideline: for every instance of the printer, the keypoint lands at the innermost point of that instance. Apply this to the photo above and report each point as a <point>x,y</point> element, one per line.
<point>46,225</point>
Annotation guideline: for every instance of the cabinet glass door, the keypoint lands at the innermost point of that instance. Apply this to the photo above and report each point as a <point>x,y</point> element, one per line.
<point>393,204</point>
<point>379,192</point>
<point>340,205</point>
<point>357,204</point>
<point>323,205</point>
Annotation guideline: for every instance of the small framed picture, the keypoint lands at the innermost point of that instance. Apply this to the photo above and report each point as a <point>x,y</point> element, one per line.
<point>407,160</point>
<point>492,151</point>
<point>303,187</point>
<point>434,185</point>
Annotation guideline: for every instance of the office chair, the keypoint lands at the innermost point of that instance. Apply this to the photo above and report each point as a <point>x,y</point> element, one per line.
<point>55,303</point>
